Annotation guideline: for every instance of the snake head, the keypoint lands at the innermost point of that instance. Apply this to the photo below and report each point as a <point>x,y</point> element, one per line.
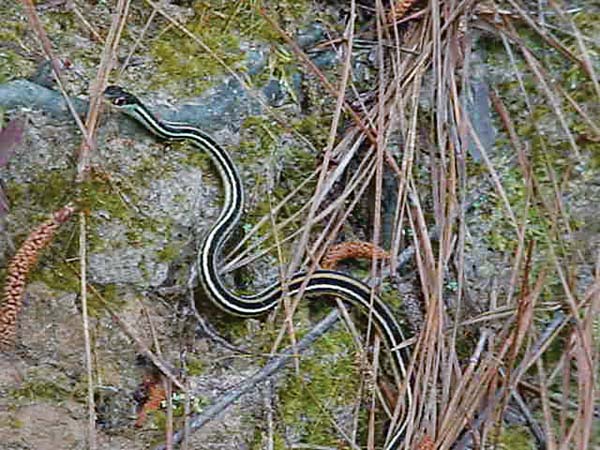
<point>120,98</point>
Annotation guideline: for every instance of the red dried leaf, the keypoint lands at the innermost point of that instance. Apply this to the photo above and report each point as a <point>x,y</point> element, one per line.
<point>156,395</point>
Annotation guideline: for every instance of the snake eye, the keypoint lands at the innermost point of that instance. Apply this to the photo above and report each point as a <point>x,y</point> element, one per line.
<point>119,101</point>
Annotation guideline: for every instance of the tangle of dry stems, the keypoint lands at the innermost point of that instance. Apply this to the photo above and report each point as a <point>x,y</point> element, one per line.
<point>18,270</point>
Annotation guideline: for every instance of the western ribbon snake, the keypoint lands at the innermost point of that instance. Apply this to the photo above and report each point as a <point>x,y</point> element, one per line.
<point>319,282</point>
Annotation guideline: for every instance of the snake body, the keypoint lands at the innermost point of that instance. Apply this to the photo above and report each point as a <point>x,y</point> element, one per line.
<point>319,282</point>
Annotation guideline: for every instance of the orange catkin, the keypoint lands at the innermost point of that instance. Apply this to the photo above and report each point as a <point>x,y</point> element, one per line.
<point>346,250</point>
<point>18,270</point>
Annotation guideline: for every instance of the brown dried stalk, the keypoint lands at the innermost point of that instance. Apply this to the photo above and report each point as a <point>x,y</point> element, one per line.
<point>346,250</point>
<point>18,269</point>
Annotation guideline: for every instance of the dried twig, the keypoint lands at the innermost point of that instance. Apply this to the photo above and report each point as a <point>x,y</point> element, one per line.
<point>83,162</point>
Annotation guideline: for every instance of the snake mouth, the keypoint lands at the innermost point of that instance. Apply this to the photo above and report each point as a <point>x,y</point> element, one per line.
<point>119,96</point>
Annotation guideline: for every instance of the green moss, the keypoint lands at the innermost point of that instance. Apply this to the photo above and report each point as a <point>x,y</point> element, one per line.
<point>516,438</point>
<point>195,366</point>
<point>157,419</point>
<point>102,294</point>
<point>10,421</point>
<point>60,20</point>
<point>259,440</point>
<point>547,147</point>
<point>63,277</point>
<point>244,17</point>
<point>49,191</point>
<point>12,32</point>
<point>220,26</point>
<point>328,376</point>
<point>261,138</point>
<point>54,188</point>
<point>234,329</point>
<point>9,61</point>
<point>196,158</point>
<point>261,147</point>
<point>169,252</point>
<point>98,194</point>
<point>180,58</point>
<point>279,442</point>
<point>502,237</point>
<point>315,128</point>
<point>58,276</point>
<point>263,142</point>
<point>36,388</point>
